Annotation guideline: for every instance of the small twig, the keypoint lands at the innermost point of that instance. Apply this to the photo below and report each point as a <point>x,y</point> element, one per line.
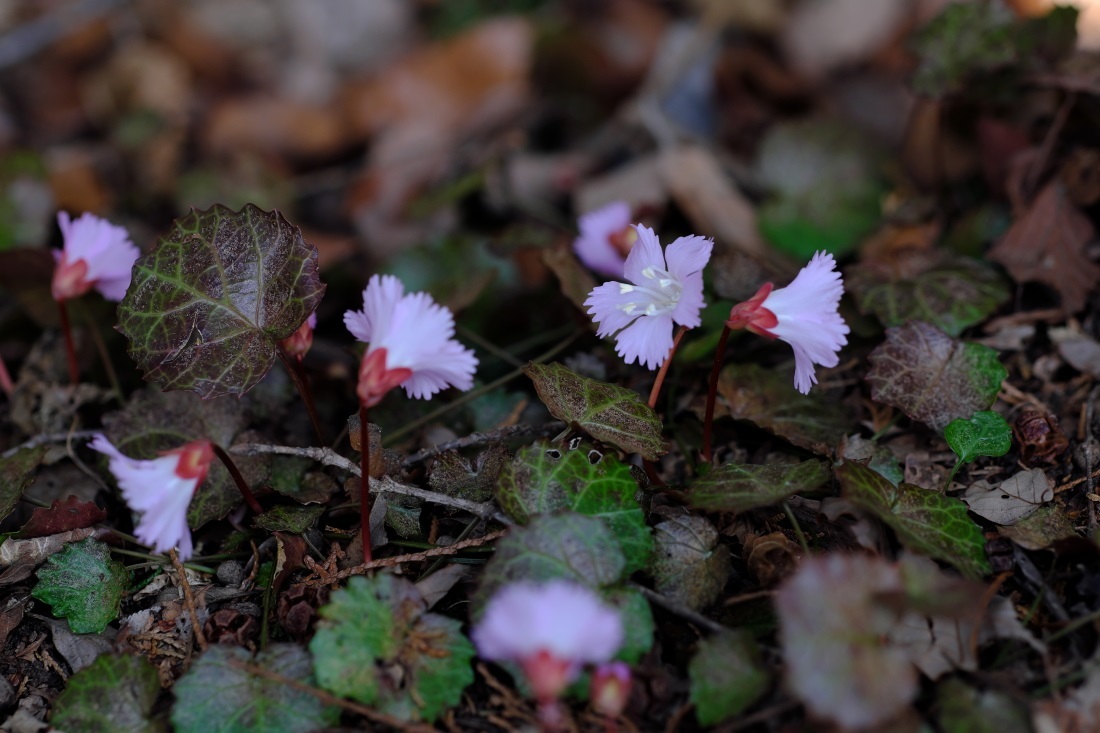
<point>352,707</point>
<point>1077,482</point>
<point>50,438</point>
<point>188,599</point>
<point>680,610</point>
<point>474,439</point>
<point>329,457</point>
<point>390,562</point>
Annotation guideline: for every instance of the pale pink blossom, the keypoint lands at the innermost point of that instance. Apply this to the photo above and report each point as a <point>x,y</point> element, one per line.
<point>411,343</point>
<point>551,630</point>
<point>96,254</point>
<point>804,314</point>
<point>605,238</point>
<point>161,490</point>
<point>664,287</point>
<point>299,343</point>
<point>610,688</point>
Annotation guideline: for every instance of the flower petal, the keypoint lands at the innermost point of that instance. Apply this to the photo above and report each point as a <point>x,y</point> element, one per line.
<point>687,312</point>
<point>593,247</point>
<point>604,305</point>
<point>648,340</point>
<point>688,255</point>
<point>646,252</point>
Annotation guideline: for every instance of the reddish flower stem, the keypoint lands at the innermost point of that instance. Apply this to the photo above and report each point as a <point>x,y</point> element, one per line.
<point>242,485</point>
<point>712,391</point>
<point>70,347</point>
<point>5,380</point>
<point>660,380</point>
<point>364,481</point>
<point>293,366</point>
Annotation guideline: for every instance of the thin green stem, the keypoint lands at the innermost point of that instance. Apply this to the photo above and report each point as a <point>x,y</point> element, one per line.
<point>70,345</point>
<point>298,375</point>
<point>797,528</point>
<point>242,485</point>
<point>475,393</point>
<point>950,476</point>
<point>712,392</point>
<point>364,481</point>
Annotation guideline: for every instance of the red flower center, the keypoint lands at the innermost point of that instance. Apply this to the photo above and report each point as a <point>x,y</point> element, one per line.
<point>375,380</point>
<point>752,314</point>
<point>70,279</point>
<point>547,674</point>
<point>623,240</point>
<point>194,459</point>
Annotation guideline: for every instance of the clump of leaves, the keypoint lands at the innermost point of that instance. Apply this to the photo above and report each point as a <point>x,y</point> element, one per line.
<point>83,585</point>
<point>543,479</point>
<point>225,691</point>
<point>210,302</point>
<point>986,433</point>
<point>377,645</point>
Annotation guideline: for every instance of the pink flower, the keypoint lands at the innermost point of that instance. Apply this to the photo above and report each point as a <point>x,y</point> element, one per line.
<point>610,688</point>
<point>411,343</point>
<point>97,254</point>
<point>161,490</point>
<point>550,630</point>
<point>642,313</point>
<point>606,238</point>
<point>299,342</point>
<point>804,314</point>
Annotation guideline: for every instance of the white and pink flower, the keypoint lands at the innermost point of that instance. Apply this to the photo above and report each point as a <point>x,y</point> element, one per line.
<point>411,343</point>
<point>299,343</point>
<point>551,631</point>
<point>804,314</point>
<point>96,254</point>
<point>161,490</point>
<point>665,287</point>
<point>606,238</point>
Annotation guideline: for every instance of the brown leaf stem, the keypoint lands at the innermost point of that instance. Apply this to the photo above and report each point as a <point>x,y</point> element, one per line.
<point>242,485</point>
<point>364,482</point>
<point>70,346</point>
<point>298,375</point>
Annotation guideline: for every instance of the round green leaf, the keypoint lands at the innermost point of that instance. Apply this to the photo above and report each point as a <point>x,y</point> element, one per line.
<point>83,585</point>
<point>726,676</point>
<point>208,305</point>
<point>984,434</point>
<point>115,694</point>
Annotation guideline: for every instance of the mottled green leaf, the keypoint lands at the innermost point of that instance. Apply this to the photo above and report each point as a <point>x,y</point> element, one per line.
<point>471,479</point>
<point>210,302</point>
<point>689,564</point>
<point>114,695</point>
<point>951,295</point>
<point>83,585</point>
<point>985,434</point>
<point>727,676</point>
<point>608,413</point>
<point>219,694</point>
<point>767,397</point>
<point>568,546</point>
<point>738,487</point>
<point>543,478</point>
<point>1040,530</point>
<point>285,518</point>
<point>933,377</point>
<point>17,472</point>
<point>638,623</point>
<point>964,709</point>
<point>877,457</point>
<point>925,521</point>
<point>377,645</point>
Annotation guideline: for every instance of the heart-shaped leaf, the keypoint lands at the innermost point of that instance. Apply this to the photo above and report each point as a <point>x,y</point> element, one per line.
<point>984,434</point>
<point>114,695</point>
<point>543,479</point>
<point>933,377</point>
<point>219,694</point>
<point>727,675</point>
<point>378,646</point>
<point>208,305</point>
<point>925,521</point>
<point>689,564</point>
<point>84,585</point>
<point>738,487</point>
<point>605,411</point>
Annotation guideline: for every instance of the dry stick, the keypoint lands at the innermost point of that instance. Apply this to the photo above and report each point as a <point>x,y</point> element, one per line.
<point>660,380</point>
<point>188,599</point>
<point>491,436</point>
<point>352,707</point>
<point>298,375</point>
<point>364,481</point>
<point>712,392</point>
<point>330,457</point>
<point>390,562</point>
<point>70,346</point>
<point>49,438</point>
<point>680,610</point>
<point>242,486</point>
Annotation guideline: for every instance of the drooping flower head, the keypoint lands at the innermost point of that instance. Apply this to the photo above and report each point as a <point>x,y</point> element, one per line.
<point>550,630</point>
<point>299,343</point>
<point>160,489</point>
<point>804,314</point>
<point>410,343</point>
<point>606,238</point>
<point>97,254</point>
<point>610,688</point>
<point>664,287</point>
